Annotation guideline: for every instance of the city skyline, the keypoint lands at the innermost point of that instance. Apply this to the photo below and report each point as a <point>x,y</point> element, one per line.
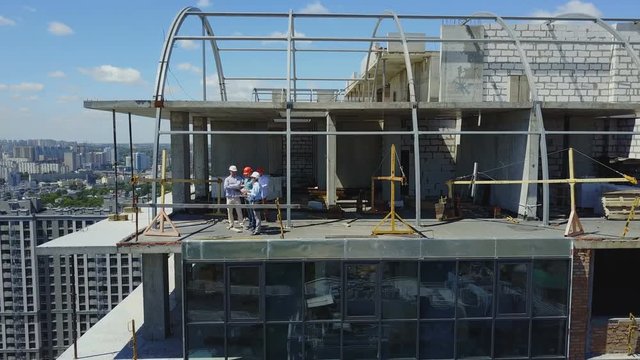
<point>50,71</point>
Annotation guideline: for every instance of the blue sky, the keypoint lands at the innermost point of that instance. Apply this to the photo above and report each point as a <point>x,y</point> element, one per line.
<point>55,54</point>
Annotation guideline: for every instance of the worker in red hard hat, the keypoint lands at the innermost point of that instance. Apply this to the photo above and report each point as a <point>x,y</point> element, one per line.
<point>246,189</point>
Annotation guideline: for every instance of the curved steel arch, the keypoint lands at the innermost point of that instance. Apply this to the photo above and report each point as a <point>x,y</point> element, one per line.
<point>167,49</point>
<point>615,33</point>
<point>412,99</point>
<point>536,111</point>
<point>161,78</point>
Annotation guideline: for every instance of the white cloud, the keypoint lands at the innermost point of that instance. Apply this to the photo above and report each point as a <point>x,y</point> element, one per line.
<point>189,67</point>
<point>314,8</point>
<point>6,21</point>
<point>573,6</point>
<point>239,90</point>
<point>110,73</point>
<point>188,44</point>
<point>29,8</point>
<point>59,29</point>
<point>23,87</point>
<point>203,3</point>
<point>24,109</point>
<point>57,74</point>
<point>278,34</point>
<point>68,98</point>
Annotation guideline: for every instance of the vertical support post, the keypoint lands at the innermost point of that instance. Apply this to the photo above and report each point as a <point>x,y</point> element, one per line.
<point>204,61</point>
<point>416,159</point>
<point>392,204</point>
<point>154,169</point>
<point>200,159</point>
<point>572,181</point>
<point>115,160</point>
<point>384,79</point>
<point>544,158</point>
<point>164,175</point>
<point>331,162</point>
<point>289,105</point>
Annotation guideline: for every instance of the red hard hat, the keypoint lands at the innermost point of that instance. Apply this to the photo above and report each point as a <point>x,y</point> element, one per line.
<point>247,170</point>
<point>260,170</point>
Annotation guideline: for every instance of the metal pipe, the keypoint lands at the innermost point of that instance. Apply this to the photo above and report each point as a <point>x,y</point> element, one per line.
<point>115,160</point>
<point>402,16</point>
<point>217,206</point>
<point>426,132</point>
<point>550,181</point>
<point>290,36</point>
<point>204,63</point>
<point>272,78</point>
<point>396,39</point>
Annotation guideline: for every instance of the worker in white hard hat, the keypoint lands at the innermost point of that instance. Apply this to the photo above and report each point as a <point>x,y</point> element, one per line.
<point>232,186</point>
<point>255,196</point>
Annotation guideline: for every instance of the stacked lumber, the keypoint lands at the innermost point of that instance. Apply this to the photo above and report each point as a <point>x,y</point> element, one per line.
<point>617,204</point>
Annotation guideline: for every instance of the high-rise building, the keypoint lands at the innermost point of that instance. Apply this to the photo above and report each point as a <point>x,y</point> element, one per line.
<point>70,160</point>
<point>25,152</point>
<point>141,161</point>
<point>36,319</point>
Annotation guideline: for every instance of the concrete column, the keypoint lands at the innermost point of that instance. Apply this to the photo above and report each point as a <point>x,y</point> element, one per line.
<point>527,206</point>
<point>331,162</point>
<point>177,271</point>
<point>155,287</point>
<point>180,159</point>
<point>201,159</point>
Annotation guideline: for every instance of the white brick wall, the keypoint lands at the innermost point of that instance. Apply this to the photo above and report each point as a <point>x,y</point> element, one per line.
<point>563,72</point>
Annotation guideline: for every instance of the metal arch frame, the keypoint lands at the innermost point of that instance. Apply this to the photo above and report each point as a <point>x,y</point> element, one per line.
<point>161,77</point>
<point>536,111</point>
<point>610,29</point>
<point>412,98</point>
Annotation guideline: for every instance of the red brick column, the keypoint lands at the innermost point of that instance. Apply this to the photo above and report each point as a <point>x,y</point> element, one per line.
<point>580,274</point>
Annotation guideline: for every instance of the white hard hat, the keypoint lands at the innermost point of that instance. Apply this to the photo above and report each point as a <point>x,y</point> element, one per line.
<point>233,168</point>
<point>255,174</point>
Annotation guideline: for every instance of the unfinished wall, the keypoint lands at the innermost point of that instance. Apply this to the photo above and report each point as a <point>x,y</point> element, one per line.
<point>563,72</point>
<point>504,153</point>
<point>438,155</point>
<point>461,65</point>
<point>611,336</point>
<point>358,157</point>
<point>240,150</point>
<point>580,302</point>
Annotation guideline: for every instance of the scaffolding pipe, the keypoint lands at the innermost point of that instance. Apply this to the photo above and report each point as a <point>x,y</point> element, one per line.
<point>399,40</point>
<point>376,132</point>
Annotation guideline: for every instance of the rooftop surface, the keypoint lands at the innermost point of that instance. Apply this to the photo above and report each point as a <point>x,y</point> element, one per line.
<point>118,237</point>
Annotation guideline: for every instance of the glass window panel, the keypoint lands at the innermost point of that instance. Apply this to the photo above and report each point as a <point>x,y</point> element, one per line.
<point>548,337</point>
<point>436,340</point>
<point>284,341</point>
<point>322,341</point>
<point>399,340</point>
<point>399,290</point>
<point>550,282</point>
<point>205,341</point>
<point>283,291</point>
<point>360,289</point>
<point>437,289</point>
<point>511,338</point>
<point>360,341</point>
<point>244,342</point>
<point>244,292</point>
<point>475,288</point>
<point>205,292</point>
<point>512,288</point>
<point>322,290</point>
<point>473,338</point>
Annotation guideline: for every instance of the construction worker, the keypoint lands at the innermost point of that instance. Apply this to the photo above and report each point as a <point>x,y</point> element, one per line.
<point>264,189</point>
<point>246,188</point>
<point>232,186</point>
<point>255,197</point>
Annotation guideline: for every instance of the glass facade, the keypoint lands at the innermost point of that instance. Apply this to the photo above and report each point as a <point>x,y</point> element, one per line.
<point>391,309</point>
